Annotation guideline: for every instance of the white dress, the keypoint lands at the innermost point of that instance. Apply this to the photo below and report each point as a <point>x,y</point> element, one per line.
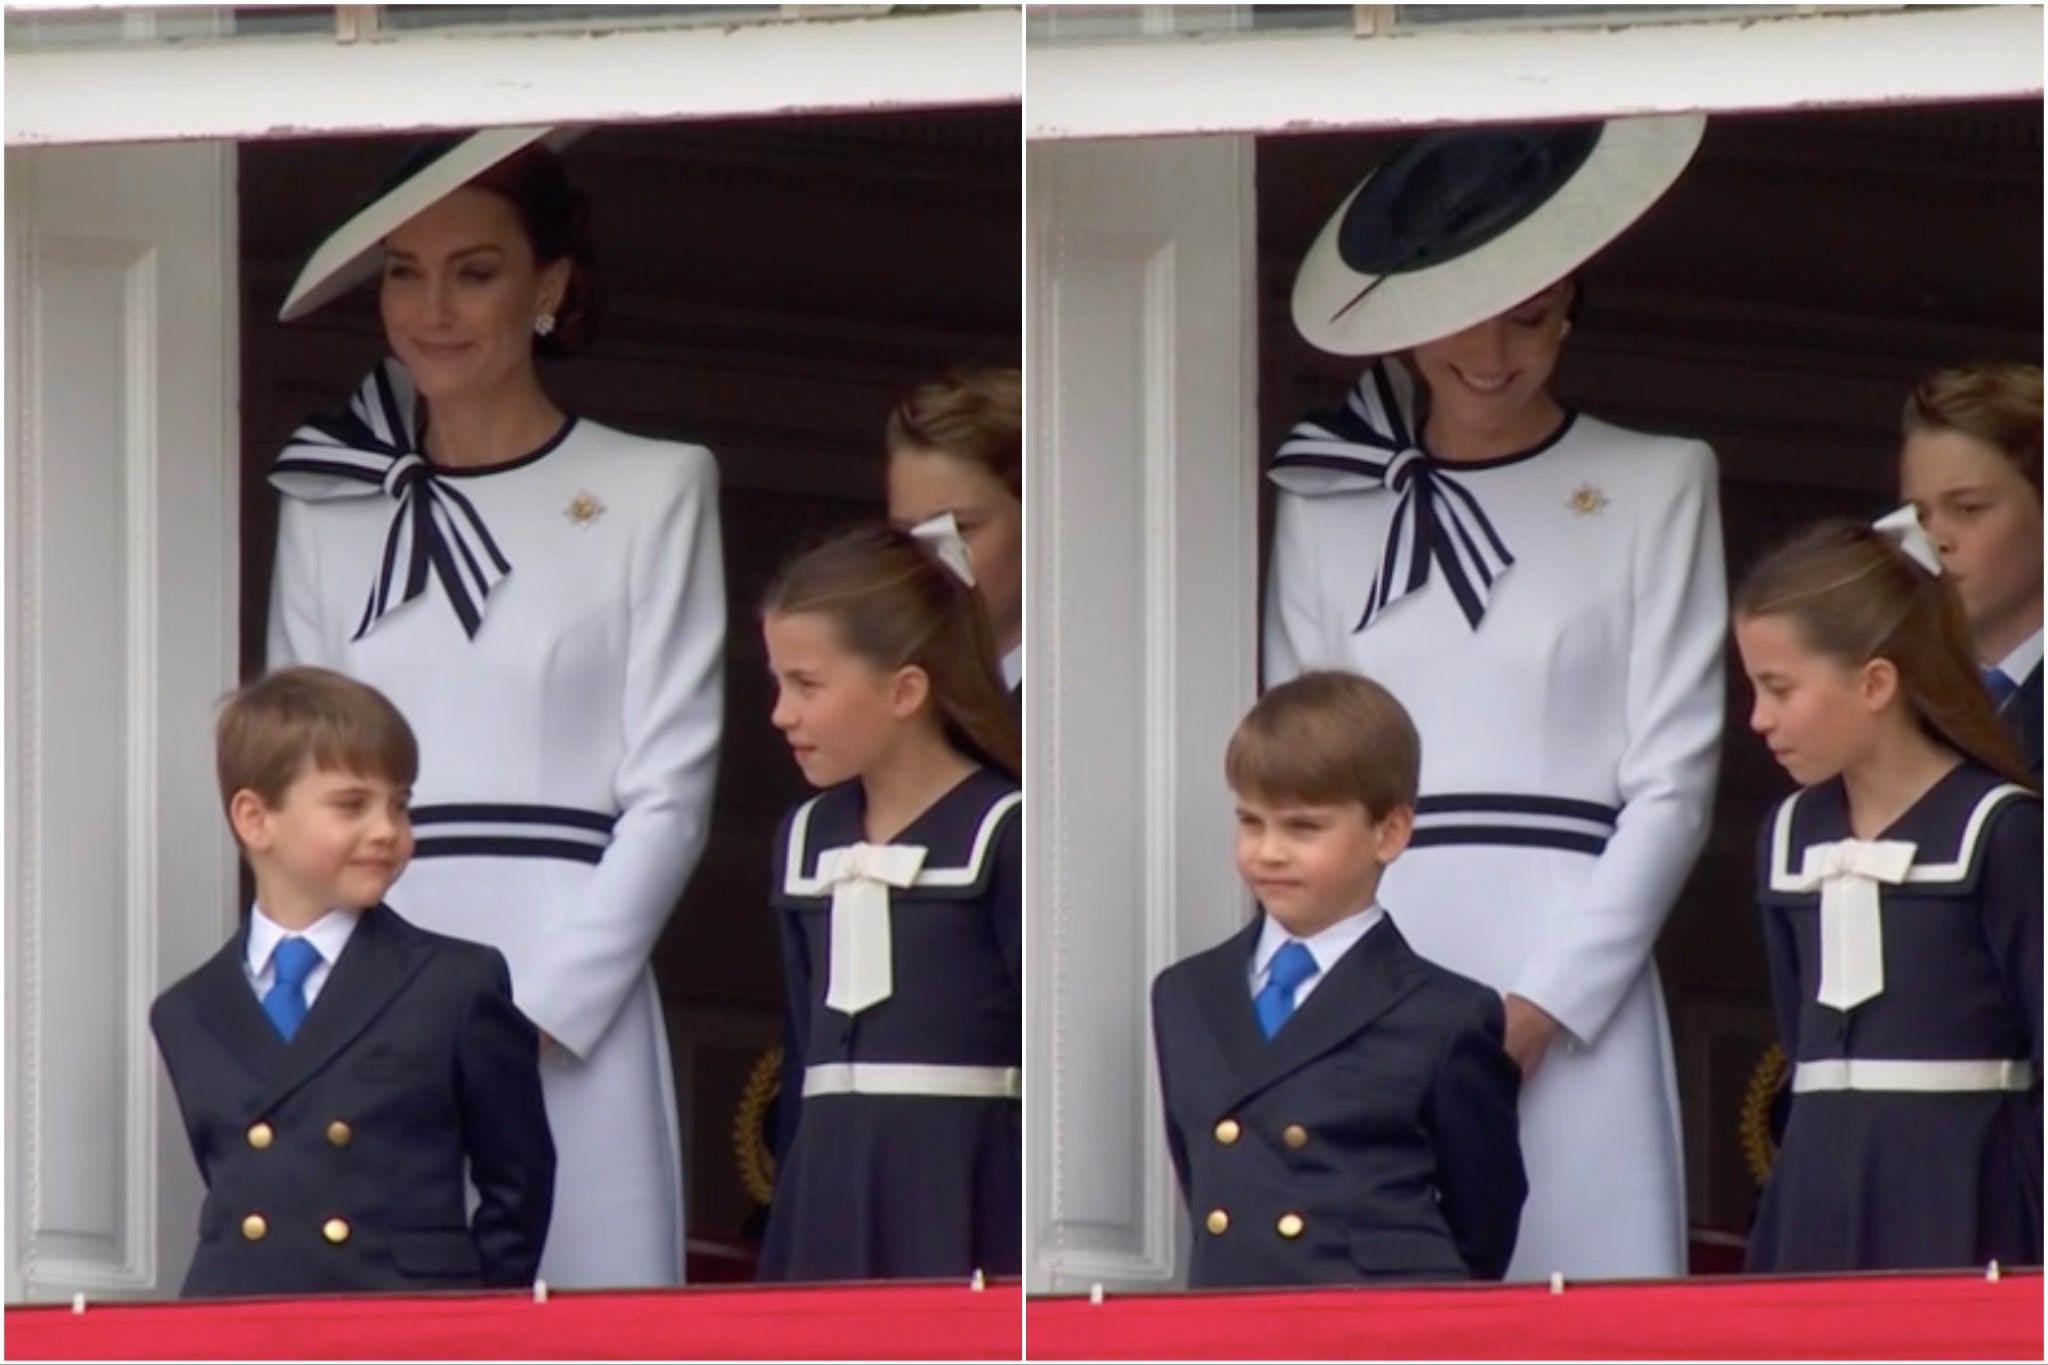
<point>567,755</point>
<point>1569,751</point>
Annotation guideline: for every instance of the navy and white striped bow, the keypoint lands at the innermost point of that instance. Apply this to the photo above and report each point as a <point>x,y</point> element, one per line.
<point>1370,444</point>
<point>374,448</point>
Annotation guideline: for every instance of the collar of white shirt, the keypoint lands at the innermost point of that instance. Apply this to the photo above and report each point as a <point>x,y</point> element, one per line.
<point>2022,661</point>
<point>330,934</point>
<point>1013,667</point>
<point>1326,946</point>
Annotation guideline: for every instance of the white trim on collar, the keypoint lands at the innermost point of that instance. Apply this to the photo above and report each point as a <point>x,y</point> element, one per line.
<point>794,883</point>
<point>2022,661</point>
<point>1784,876</point>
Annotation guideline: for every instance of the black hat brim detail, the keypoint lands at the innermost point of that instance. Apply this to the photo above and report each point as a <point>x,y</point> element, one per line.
<point>1462,226</point>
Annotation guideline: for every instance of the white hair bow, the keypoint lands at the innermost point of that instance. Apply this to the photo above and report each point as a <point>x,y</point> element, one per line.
<point>942,533</point>
<point>1903,526</point>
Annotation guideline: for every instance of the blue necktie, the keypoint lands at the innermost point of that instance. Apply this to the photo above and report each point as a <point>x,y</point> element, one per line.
<point>1292,965</point>
<point>1998,685</point>
<point>294,960</point>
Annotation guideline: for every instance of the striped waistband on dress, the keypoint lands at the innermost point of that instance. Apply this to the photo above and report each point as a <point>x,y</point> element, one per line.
<point>511,831</point>
<point>1513,820</point>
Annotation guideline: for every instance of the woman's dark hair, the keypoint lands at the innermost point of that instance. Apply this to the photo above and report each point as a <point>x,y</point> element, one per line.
<point>894,603</point>
<point>557,223</point>
<point>1854,595</point>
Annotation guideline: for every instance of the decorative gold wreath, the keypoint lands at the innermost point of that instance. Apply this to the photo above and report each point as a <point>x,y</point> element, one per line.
<point>1764,1083</point>
<point>749,1144</point>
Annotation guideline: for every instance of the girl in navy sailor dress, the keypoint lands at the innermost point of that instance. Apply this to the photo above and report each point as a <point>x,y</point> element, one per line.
<point>1901,900</point>
<point>899,895</point>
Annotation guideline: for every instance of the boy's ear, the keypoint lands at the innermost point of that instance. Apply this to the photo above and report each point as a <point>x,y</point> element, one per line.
<point>908,691</point>
<point>249,818</point>
<point>1394,830</point>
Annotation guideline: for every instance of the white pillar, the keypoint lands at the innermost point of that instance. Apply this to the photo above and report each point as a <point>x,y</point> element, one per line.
<point>121,538</point>
<point>1143,559</point>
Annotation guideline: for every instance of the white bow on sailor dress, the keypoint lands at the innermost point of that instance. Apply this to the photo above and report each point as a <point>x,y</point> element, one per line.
<point>1847,874</point>
<point>861,877</point>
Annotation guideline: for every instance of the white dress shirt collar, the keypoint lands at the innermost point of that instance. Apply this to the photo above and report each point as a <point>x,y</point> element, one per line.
<point>1013,668</point>
<point>2022,661</point>
<point>330,934</point>
<point>1326,947</point>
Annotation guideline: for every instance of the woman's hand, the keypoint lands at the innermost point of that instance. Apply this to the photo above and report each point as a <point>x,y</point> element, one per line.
<point>1530,1032</point>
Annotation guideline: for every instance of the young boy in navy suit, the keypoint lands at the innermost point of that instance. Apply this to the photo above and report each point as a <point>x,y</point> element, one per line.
<point>1338,1109</point>
<point>337,1067</point>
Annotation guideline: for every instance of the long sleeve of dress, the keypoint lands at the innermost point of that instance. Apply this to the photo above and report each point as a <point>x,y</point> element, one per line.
<point>1668,768</point>
<point>1294,596</point>
<point>671,715</point>
<point>1009,899</point>
<point>2009,894</point>
<point>295,608</point>
<point>1781,951</point>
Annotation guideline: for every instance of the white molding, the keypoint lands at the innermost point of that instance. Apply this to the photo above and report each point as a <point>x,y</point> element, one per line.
<point>24,899</point>
<point>128,1262</point>
<point>19,191</point>
<point>263,89</point>
<point>123,566</point>
<point>1325,82</point>
<point>1144,566</point>
<point>142,318</point>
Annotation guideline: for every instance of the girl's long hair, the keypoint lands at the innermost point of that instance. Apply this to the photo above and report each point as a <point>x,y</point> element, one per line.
<point>1854,595</point>
<point>896,604</point>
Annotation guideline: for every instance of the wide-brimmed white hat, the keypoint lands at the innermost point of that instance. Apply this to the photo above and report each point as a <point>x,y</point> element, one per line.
<point>433,171</point>
<point>1461,226</point>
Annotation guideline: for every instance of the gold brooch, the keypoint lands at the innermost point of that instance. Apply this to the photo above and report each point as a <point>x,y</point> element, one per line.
<point>1586,500</point>
<point>583,509</point>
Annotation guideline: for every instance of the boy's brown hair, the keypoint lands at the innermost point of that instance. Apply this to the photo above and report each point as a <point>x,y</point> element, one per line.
<point>274,728</point>
<point>1327,738</point>
<point>975,414</point>
<point>1995,402</point>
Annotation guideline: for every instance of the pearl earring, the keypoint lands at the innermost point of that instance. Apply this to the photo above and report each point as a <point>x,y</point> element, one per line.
<point>1566,329</point>
<point>544,324</point>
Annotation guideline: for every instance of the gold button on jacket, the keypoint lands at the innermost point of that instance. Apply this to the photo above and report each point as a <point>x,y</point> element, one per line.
<point>1295,1136</point>
<point>1219,1221</point>
<point>335,1230</point>
<point>339,1133</point>
<point>1290,1225</point>
<point>254,1226</point>
<point>260,1135</point>
<point>1227,1131</point>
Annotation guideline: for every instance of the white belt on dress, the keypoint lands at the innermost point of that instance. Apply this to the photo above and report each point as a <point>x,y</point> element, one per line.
<point>1863,1073</point>
<point>914,1078</point>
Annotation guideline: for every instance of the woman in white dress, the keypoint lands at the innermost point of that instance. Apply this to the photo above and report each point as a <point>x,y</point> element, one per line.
<point>1545,593</point>
<point>544,599</point>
